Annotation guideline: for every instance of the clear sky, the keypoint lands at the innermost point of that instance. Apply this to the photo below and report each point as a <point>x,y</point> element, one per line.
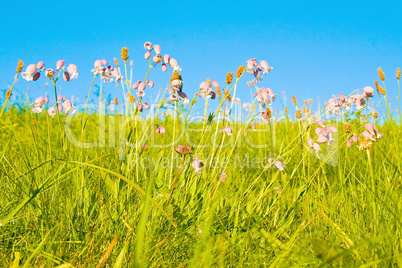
<point>317,48</point>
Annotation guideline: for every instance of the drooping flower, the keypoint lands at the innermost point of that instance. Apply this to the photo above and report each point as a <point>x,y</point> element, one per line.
<point>157,49</point>
<point>68,107</point>
<point>148,45</point>
<point>371,132</point>
<point>106,75</point>
<point>52,111</point>
<point>29,72</point>
<point>368,92</point>
<point>197,165</point>
<point>40,65</point>
<point>223,176</point>
<point>66,76</point>
<point>116,74</point>
<point>72,69</point>
<point>160,130</point>
<point>227,130</point>
<point>59,64</point>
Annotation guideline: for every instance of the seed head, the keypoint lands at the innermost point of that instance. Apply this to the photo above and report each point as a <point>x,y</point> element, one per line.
<point>240,71</point>
<point>218,92</point>
<point>116,62</point>
<point>286,109</point>
<point>249,84</point>
<point>347,128</point>
<point>294,100</point>
<point>209,81</point>
<point>398,73</point>
<point>298,114</point>
<point>269,115</point>
<point>381,74</point>
<point>132,99</point>
<point>131,63</point>
<point>116,101</point>
<point>20,66</point>
<point>381,90</point>
<point>229,78</point>
<point>124,54</point>
<point>310,101</point>
<point>8,94</point>
<point>375,114</point>
<point>227,95</point>
<point>376,84</point>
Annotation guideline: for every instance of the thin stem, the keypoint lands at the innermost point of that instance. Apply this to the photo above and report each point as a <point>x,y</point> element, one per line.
<point>5,104</point>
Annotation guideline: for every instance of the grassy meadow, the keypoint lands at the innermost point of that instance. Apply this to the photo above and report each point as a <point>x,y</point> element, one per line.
<point>142,188</point>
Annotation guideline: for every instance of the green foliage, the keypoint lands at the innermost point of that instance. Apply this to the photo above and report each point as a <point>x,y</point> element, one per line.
<point>84,207</point>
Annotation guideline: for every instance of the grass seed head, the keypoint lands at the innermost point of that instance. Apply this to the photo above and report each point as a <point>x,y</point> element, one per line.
<point>294,100</point>
<point>381,74</point>
<point>116,62</point>
<point>20,66</point>
<point>8,94</point>
<point>398,73</point>
<point>348,129</point>
<point>240,71</point>
<point>124,54</point>
<point>229,78</point>
<point>381,90</point>
<point>298,114</point>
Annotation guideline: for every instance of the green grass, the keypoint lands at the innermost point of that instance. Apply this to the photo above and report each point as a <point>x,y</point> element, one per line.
<point>62,204</point>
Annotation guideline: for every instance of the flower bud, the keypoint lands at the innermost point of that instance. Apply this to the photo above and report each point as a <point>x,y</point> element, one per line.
<point>66,76</point>
<point>59,64</point>
<point>164,67</point>
<point>36,76</point>
<point>157,49</point>
<point>147,54</point>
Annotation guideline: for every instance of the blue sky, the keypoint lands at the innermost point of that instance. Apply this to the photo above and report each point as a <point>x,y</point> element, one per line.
<point>317,48</point>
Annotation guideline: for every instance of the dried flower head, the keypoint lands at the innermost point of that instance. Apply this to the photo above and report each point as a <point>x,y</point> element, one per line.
<point>124,54</point>
<point>398,73</point>
<point>116,101</point>
<point>131,63</point>
<point>294,100</point>
<point>116,62</point>
<point>310,101</point>
<point>229,78</point>
<point>209,81</point>
<point>298,114</point>
<point>8,94</point>
<point>347,128</point>
<point>240,71</point>
<point>286,109</point>
<point>381,74</point>
<point>375,114</point>
<point>20,66</point>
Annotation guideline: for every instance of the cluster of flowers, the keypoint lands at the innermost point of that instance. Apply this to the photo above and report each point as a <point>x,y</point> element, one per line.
<point>32,72</point>
<point>197,164</point>
<point>158,57</point>
<point>206,90</point>
<point>254,68</point>
<point>106,71</point>
<point>343,103</point>
<point>367,137</point>
<point>324,135</point>
<point>62,103</point>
